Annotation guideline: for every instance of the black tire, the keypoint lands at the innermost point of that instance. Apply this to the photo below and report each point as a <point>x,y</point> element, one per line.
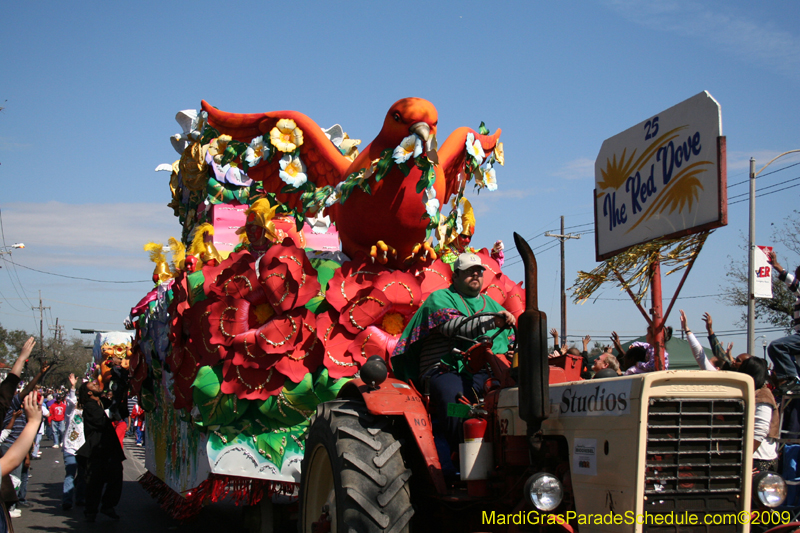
<point>354,471</point>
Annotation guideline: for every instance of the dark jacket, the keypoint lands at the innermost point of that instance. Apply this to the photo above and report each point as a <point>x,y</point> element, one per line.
<point>102,442</point>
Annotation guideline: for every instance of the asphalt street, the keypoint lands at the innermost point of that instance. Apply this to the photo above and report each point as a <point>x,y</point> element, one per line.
<point>138,511</point>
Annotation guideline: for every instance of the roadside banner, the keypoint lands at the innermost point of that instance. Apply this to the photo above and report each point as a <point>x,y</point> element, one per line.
<point>763,284</point>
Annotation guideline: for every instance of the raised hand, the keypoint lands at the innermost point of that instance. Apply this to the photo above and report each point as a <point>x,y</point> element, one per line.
<point>27,348</point>
<point>32,406</point>
<point>709,323</point>
<point>73,380</point>
<point>586,340</point>
<point>684,327</point>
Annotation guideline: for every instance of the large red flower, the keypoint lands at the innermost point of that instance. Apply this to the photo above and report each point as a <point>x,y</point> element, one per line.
<point>336,341</point>
<point>373,304</point>
<point>287,276</point>
<point>437,275</point>
<point>500,287</point>
<point>250,383</point>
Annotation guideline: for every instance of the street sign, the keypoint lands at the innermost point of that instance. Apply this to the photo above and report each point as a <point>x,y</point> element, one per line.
<point>664,177</point>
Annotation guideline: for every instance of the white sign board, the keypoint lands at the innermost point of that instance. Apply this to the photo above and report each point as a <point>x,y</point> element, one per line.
<point>604,398</point>
<point>763,279</point>
<point>664,177</point>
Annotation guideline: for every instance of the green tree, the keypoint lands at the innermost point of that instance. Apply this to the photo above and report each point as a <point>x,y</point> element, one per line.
<point>11,343</point>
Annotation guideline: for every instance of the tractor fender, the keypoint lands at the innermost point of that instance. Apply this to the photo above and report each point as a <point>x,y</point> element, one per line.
<point>398,398</point>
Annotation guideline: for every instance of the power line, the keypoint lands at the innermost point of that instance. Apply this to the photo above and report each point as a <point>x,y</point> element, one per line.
<point>766,193</point>
<point>764,188</point>
<point>75,277</point>
<point>762,175</point>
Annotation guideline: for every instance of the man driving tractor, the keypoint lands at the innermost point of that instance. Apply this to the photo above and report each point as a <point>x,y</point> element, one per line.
<point>430,351</point>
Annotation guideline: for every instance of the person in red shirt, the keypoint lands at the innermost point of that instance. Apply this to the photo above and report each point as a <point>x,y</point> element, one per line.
<point>57,413</point>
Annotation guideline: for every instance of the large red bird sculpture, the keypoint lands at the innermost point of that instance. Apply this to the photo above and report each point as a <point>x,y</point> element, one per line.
<point>394,211</point>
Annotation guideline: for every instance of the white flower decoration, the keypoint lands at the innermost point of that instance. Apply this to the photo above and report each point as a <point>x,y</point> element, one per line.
<point>489,177</point>
<point>293,171</point>
<point>257,151</point>
<point>474,147</point>
<point>409,147</point>
<point>430,201</point>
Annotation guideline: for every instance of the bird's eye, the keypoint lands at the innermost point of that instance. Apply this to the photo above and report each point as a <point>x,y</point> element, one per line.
<point>396,116</point>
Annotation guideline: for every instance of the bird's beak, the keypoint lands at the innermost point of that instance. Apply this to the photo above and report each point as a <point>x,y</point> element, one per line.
<point>421,129</point>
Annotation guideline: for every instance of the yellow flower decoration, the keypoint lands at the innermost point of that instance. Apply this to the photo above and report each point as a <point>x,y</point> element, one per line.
<point>217,148</point>
<point>286,136</point>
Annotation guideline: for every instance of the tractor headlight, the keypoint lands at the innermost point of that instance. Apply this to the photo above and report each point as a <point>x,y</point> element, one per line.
<point>545,491</point>
<point>769,489</point>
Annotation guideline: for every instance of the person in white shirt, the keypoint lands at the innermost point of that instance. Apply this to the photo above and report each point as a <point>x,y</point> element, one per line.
<point>74,486</point>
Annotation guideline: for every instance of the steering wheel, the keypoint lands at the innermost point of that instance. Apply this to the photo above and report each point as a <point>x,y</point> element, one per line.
<point>482,338</point>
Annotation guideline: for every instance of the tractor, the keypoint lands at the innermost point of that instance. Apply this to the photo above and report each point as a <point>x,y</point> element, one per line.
<point>543,450</point>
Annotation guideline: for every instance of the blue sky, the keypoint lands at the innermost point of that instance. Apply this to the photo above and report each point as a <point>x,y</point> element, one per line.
<point>91,90</point>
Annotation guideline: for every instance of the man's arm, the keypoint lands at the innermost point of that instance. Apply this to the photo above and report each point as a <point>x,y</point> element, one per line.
<point>27,348</point>
<point>35,381</point>
<point>790,280</point>
<point>554,333</point>
<point>617,345</point>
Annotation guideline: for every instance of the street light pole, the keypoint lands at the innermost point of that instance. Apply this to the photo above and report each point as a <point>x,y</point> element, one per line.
<point>751,261</point>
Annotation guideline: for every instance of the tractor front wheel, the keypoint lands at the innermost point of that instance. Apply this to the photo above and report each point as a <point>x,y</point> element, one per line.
<point>354,477</point>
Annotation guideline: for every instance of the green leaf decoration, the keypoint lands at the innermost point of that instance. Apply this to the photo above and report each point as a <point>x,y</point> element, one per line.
<point>229,154</point>
<point>384,165</point>
<point>216,408</point>
<point>325,270</point>
<point>276,444</point>
<point>208,134</point>
<point>349,184</point>
<point>422,184</point>
<point>325,387</point>
<point>195,281</point>
<point>318,304</point>
<point>404,168</point>
<point>365,187</point>
<point>482,129</point>
<point>278,409</point>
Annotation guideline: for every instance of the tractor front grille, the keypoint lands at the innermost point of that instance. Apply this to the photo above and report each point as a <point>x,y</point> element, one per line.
<point>694,461</point>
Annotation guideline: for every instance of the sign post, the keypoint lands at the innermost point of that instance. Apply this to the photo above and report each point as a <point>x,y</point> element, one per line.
<point>664,178</point>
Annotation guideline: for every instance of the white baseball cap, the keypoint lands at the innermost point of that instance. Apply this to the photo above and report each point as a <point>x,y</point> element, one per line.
<point>467,261</point>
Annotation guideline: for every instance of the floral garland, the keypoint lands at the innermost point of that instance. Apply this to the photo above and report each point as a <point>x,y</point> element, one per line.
<point>287,138</point>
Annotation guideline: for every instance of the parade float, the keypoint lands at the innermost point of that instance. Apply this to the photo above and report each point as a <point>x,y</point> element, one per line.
<point>299,257</point>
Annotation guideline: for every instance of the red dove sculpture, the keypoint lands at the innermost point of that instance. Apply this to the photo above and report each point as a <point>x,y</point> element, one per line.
<point>394,211</point>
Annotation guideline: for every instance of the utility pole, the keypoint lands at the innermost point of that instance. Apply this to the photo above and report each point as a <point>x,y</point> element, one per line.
<point>751,261</point>
<point>562,237</point>
<point>41,320</point>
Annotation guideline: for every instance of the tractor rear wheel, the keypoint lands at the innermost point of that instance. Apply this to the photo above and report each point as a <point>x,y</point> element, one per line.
<point>354,476</point>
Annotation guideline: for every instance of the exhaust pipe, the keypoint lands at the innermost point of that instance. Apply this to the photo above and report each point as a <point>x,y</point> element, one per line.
<point>532,346</point>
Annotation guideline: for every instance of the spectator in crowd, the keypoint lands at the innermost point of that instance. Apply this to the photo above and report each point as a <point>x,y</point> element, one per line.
<point>767,423</point>
<point>585,373</point>
<point>137,418</point>
<point>132,401</point>
<point>721,358</point>
<point>9,495</point>
<point>640,357</point>
<point>57,412</point>
<point>721,355</point>
<point>784,351</point>
<point>36,453</point>
<point>606,366</point>
<point>16,453</point>
<point>74,485</point>
<point>101,455</point>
